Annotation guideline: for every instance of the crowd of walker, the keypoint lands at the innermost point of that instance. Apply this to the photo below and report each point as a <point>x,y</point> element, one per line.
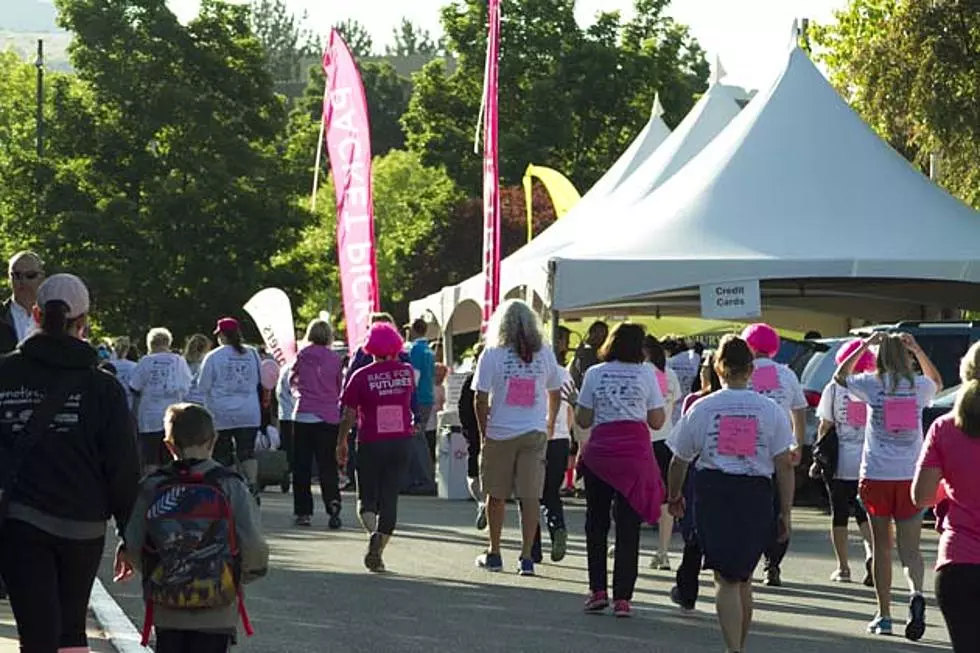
<point>655,432</point>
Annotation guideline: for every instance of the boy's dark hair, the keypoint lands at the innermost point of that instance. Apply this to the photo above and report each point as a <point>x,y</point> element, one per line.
<point>188,425</point>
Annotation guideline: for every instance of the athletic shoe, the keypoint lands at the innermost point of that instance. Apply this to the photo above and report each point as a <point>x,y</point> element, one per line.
<point>774,577</point>
<point>675,596</point>
<point>597,602</point>
<point>481,516</point>
<point>660,561</point>
<point>869,577</point>
<point>525,567</point>
<point>622,609</point>
<point>880,626</point>
<point>490,561</point>
<point>915,627</point>
<point>334,511</point>
<point>304,520</point>
<point>559,544</point>
<point>611,551</point>
<point>841,576</point>
<point>372,559</point>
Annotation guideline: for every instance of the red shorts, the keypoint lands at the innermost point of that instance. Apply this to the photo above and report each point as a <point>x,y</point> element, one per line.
<point>888,499</point>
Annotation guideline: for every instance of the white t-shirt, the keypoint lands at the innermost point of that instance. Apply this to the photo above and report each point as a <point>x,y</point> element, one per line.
<point>620,392</point>
<point>284,393</point>
<point>563,427</point>
<point>194,395</point>
<point>24,323</point>
<point>518,390</point>
<point>229,382</point>
<point>687,365</point>
<point>893,433</point>
<point>124,372</point>
<point>849,416</point>
<point>738,432</point>
<point>667,380</point>
<point>160,380</point>
<point>779,383</point>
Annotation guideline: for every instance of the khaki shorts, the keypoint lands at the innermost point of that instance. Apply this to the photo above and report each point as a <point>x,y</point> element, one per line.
<point>514,466</point>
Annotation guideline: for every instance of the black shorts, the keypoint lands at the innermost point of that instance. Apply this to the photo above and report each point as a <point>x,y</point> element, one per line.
<point>152,450</point>
<point>844,503</point>
<point>234,443</point>
<point>663,454</point>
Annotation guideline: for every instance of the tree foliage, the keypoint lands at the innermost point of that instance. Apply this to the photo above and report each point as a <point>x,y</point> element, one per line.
<point>288,45</point>
<point>410,40</point>
<point>357,37</point>
<point>910,69</point>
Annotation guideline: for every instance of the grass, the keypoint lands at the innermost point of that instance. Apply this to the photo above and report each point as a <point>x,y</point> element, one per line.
<point>679,326</point>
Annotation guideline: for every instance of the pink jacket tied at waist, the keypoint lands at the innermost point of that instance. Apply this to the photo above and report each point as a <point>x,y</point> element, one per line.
<point>620,454</point>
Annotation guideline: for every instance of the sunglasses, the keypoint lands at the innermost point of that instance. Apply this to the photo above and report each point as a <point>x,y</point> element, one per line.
<point>21,276</point>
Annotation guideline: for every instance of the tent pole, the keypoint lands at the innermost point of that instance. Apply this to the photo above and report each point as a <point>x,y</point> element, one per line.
<point>554,327</point>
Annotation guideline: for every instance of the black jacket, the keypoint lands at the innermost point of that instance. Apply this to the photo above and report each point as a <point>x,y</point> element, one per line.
<point>87,469</point>
<point>8,332</point>
<point>467,411</point>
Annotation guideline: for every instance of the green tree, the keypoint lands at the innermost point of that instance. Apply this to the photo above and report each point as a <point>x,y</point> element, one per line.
<point>287,43</point>
<point>408,40</point>
<point>910,69</point>
<point>357,37</point>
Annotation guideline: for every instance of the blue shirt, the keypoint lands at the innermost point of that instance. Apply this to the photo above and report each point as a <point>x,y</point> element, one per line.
<point>424,361</point>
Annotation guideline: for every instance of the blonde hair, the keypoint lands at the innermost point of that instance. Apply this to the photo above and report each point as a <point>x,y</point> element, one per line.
<point>515,325</point>
<point>159,337</point>
<point>319,332</point>
<point>966,410</point>
<point>197,346</point>
<point>893,359</point>
<point>121,346</point>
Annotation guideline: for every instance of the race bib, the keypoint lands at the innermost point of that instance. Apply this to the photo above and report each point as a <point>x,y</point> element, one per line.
<point>521,393</point>
<point>765,379</point>
<point>662,381</point>
<point>857,413</point>
<point>901,414</point>
<point>737,436</point>
<point>391,419</point>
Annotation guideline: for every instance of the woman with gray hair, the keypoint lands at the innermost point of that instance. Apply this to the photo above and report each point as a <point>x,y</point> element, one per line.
<point>161,378</point>
<point>316,380</point>
<point>517,383</point>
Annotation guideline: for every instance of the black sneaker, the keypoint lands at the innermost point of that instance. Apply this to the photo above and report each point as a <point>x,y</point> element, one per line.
<point>372,559</point>
<point>675,597</point>
<point>869,577</point>
<point>559,544</point>
<point>773,577</point>
<point>915,628</point>
<point>334,511</point>
<point>304,520</point>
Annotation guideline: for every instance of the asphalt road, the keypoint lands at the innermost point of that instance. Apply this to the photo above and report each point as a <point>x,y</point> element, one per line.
<point>319,598</point>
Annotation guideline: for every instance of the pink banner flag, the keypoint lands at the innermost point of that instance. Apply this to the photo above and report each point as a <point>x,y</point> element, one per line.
<point>345,115</point>
<point>491,173</point>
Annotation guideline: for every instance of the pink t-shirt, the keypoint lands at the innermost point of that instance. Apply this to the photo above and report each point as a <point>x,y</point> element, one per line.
<point>958,457</point>
<point>382,395</point>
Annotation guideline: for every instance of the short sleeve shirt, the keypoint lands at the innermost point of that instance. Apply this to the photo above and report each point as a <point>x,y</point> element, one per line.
<point>229,382</point>
<point>673,400</point>
<point>849,416</point>
<point>518,390</point>
<point>779,383</point>
<point>381,393</point>
<point>160,380</point>
<point>620,392</point>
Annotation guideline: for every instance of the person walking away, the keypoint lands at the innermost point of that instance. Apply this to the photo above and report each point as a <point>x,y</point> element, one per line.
<point>685,593</point>
<point>124,368</point>
<point>25,270</point>
<point>161,378</point>
<point>620,400</point>
<point>741,440</point>
<point>471,431</point>
<point>194,598</point>
<point>587,354</point>
<point>196,348</point>
<point>286,406</point>
<point>779,383</point>
<point>315,382</point>
<point>517,397</point>
<point>440,405</point>
<point>685,362</point>
<point>378,398</point>
<point>673,393</point>
<point>64,471</point>
<point>847,417</point>
<point>947,471</point>
<point>421,478</point>
<point>895,396</point>
<point>229,381</point>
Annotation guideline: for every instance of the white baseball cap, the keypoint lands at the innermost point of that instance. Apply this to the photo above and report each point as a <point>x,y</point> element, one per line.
<point>65,288</point>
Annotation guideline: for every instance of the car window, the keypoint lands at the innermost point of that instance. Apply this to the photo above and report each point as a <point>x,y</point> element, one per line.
<point>945,351</point>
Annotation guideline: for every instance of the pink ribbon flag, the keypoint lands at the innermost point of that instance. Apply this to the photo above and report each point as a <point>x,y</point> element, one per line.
<point>345,115</point>
<point>491,170</point>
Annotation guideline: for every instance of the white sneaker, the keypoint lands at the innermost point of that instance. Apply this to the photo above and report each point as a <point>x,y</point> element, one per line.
<point>660,561</point>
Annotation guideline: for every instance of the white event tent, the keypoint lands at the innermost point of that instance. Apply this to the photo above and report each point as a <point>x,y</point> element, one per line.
<point>651,159</point>
<point>798,193</point>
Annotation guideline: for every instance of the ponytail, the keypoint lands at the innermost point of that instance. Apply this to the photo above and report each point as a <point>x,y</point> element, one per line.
<point>966,410</point>
<point>235,340</point>
<point>54,318</point>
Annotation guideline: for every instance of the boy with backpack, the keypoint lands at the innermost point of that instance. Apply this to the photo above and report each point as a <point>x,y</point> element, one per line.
<point>195,536</point>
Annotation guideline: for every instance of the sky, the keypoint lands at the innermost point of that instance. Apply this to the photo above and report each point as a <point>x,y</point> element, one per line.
<point>749,36</point>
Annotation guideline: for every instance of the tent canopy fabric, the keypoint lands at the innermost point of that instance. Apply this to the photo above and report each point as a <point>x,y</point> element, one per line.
<point>797,192</point>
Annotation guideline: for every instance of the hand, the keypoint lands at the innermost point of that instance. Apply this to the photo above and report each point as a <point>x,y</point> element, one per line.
<point>122,568</point>
<point>785,526</point>
<point>569,394</point>
<point>796,455</point>
<point>342,453</point>
<point>677,507</point>
<point>909,342</point>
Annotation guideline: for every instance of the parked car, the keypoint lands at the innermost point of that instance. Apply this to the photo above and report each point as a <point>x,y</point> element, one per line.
<point>942,404</point>
<point>944,342</point>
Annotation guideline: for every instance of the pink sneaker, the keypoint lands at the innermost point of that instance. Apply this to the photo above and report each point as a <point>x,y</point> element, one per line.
<point>597,602</point>
<point>622,609</point>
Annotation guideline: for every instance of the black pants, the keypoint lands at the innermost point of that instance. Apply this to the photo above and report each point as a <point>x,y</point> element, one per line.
<point>600,497</point>
<point>380,466</point>
<point>958,595</point>
<point>844,503</point>
<point>286,429</point>
<point>688,573</point>
<point>234,443</point>
<point>191,641</point>
<point>554,476</point>
<point>776,550</point>
<point>315,441</point>
<point>351,470</point>
<point>48,580</point>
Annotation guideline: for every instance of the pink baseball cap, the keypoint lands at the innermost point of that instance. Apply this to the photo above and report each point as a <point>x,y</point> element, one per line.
<point>383,340</point>
<point>867,363</point>
<point>762,339</point>
<point>226,325</point>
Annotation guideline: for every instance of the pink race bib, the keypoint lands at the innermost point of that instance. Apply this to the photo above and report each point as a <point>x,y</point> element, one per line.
<point>737,436</point>
<point>765,379</point>
<point>901,414</point>
<point>521,393</point>
<point>391,419</point>
<point>857,413</point>
<point>662,381</point>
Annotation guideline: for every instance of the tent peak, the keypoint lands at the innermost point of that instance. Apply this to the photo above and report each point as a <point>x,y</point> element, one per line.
<point>658,108</point>
<point>718,71</point>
